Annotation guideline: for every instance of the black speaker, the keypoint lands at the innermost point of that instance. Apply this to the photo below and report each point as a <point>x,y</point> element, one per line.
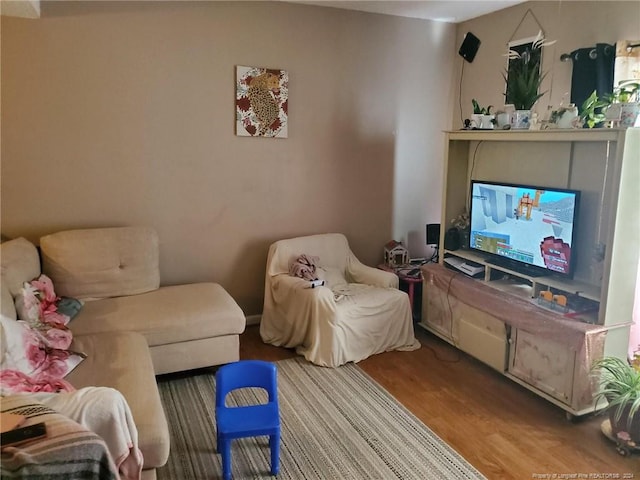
<point>452,239</point>
<point>433,233</point>
<point>469,47</point>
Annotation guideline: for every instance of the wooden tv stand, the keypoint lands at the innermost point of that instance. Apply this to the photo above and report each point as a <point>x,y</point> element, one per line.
<point>537,347</point>
<point>498,318</point>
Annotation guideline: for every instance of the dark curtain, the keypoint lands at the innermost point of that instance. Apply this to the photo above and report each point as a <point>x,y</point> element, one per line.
<point>592,70</point>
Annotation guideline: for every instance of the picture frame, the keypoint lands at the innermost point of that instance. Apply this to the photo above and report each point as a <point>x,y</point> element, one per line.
<point>262,102</point>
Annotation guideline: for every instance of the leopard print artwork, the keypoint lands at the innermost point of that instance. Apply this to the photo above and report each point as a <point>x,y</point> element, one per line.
<point>262,101</point>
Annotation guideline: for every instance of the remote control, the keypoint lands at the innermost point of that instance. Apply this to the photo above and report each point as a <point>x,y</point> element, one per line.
<point>316,283</point>
<point>21,435</point>
<point>414,272</point>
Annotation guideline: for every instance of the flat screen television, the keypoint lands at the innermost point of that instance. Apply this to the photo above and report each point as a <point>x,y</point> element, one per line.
<point>528,229</point>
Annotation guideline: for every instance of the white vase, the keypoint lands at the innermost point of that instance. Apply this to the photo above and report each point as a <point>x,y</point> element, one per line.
<point>503,119</point>
<point>629,114</point>
<point>482,121</point>
<point>521,119</point>
<point>567,118</point>
<point>624,114</point>
<point>476,120</point>
<point>487,122</point>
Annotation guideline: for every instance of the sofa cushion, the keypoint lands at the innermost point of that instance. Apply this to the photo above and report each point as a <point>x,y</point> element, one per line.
<point>20,263</point>
<point>121,360</point>
<point>102,262</point>
<point>7,307</point>
<point>168,315</point>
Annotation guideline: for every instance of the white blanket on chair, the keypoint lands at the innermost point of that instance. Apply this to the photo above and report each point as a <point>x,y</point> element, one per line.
<point>357,313</point>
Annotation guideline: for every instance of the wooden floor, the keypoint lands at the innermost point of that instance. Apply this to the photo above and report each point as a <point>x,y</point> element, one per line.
<point>501,428</point>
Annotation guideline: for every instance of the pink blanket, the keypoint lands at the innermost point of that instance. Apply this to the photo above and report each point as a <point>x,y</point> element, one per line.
<point>304,267</point>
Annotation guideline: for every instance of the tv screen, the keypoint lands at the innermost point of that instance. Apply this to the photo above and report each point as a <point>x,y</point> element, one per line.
<point>526,228</point>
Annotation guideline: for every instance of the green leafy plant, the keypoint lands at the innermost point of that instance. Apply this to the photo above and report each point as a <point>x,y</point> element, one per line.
<point>477,109</point>
<point>625,92</point>
<point>590,111</point>
<point>620,385</point>
<point>524,76</point>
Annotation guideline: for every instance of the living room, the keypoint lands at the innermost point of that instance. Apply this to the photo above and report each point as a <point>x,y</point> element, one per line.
<point>121,113</point>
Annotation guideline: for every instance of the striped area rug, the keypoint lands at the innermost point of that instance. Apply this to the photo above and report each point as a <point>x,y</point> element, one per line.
<point>336,424</point>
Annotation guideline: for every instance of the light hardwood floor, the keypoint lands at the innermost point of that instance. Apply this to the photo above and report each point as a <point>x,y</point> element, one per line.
<point>501,428</point>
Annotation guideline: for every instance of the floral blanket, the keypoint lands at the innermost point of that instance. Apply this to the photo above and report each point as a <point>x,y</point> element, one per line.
<point>35,355</point>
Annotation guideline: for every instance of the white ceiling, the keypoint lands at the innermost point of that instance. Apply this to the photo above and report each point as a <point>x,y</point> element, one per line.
<point>20,8</point>
<point>451,11</point>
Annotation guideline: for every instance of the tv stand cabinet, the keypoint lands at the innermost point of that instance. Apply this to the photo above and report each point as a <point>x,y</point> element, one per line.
<point>529,286</point>
<point>498,318</point>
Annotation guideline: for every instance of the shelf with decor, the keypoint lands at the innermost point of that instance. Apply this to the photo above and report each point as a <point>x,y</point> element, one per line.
<point>536,283</point>
<point>587,160</point>
<point>549,353</point>
<point>549,135</point>
<point>580,300</point>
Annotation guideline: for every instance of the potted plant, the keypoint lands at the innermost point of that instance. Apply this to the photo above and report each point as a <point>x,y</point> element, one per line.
<point>619,384</point>
<point>591,110</point>
<point>482,116</point>
<point>623,104</point>
<point>523,78</point>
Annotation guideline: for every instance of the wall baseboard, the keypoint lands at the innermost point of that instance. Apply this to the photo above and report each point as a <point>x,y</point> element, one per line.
<point>253,319</point>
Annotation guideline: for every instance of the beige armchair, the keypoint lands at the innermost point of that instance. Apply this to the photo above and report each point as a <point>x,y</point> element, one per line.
<point>357,313</point>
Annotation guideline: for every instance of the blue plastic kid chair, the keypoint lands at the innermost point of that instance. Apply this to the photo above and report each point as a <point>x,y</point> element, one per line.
<point>251,420</point>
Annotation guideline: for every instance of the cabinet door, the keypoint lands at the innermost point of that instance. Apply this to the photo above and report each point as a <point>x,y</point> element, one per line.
<point>436,310</point>
<point>543,364</point>
<point>481,336</point>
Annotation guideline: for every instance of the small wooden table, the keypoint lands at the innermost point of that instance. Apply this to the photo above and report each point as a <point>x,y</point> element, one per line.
<point>410,280</point>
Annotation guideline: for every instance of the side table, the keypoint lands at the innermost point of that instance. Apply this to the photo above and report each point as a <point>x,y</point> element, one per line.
<point>402,272</point>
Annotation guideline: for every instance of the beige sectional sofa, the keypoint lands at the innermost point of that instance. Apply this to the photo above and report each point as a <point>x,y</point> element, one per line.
<point>130,327</point>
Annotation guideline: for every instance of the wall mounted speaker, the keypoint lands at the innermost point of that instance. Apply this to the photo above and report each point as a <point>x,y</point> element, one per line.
<point>433,233</point>
<point>469,47</point>
<point>452,239</point>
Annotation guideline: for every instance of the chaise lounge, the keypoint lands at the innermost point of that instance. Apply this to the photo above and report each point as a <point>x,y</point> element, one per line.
<point>130,327</point>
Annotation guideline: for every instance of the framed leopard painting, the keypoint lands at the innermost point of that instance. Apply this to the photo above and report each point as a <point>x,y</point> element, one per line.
<point>262,101</point>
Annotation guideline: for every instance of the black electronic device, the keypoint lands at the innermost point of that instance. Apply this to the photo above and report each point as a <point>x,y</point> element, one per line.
<point>452,239</point>
<point>469,47</point>
<point>527,229</point>
<point>433,233</point>
<point>23,434</point>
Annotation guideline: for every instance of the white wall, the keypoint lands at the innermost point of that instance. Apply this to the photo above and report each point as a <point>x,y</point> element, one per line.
<point>419,152</point>
<point>572,24</point>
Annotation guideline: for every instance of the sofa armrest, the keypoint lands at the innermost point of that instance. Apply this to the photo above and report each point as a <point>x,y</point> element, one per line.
<point>361,273</point>
<point>20,263</point>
